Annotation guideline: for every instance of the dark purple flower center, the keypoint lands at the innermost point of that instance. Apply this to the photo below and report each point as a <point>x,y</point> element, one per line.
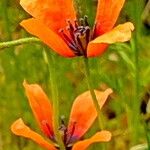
<point>67,135</point>
<point>78,35</point>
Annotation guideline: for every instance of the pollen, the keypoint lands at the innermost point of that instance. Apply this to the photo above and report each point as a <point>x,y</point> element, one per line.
<point>77,35</point>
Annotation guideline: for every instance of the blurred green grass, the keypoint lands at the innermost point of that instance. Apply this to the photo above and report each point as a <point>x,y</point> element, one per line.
<point>114,69</point>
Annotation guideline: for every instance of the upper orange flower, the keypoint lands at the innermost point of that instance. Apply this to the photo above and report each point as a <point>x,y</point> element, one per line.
<point>50,18</point>
<point>82,116</point>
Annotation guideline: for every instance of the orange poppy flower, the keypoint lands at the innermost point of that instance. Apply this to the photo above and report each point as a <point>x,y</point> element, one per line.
<point>55,23</point>
<point>82,116</point>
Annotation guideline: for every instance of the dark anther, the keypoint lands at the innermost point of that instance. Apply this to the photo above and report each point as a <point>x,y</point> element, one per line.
<point>86,20</point>
<point>81,21</point>
<point>70,25</point>
<point>62,118</point>
<point>87,34</point>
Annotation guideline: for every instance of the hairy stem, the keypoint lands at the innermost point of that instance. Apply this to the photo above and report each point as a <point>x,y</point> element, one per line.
<point>135,109</point>
<point>90,86</point>
<point>18,42</point>
<point>54,89</point>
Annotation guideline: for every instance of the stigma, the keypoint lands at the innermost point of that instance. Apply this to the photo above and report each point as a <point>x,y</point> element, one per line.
<point>77,35</point>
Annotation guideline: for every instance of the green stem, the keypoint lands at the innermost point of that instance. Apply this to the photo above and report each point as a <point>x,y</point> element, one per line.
<point>135,122</point>
<point>18,42</point>
<point>90,86</point>
<point>54,89</point>
<point>135,113</point>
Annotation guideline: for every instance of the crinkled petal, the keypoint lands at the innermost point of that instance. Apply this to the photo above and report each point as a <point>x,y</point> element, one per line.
<point>121,33</point>
<point>20,129</point>
<point>83,112</point>
<point>53,40</point>
<point>107,14</point>
<point>102,136</point>
<point>41,107</point>
<point>53,13</point>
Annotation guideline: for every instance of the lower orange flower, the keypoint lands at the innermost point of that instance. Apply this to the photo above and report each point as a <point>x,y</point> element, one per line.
<point>82,116</point>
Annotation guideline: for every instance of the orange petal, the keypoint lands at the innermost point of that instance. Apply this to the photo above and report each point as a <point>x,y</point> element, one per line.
<point>83,112</point>
<point>37,28</point>
<point>41,107</point>
<point>102,136</point>
<point>107,14</point>
<point>121,33</point>
<point>53,13</point>
<point>94,50</point>
<point>20,129</point>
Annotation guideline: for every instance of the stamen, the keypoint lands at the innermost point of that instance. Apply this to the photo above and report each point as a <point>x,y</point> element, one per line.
<point>82,38</point>
<point>68,41</point>
<point>93,32</point>
<point>86,20</point>
<point>87,34</point>
<point>65,36</point>
<point>82,29</point>
<point>70,134</point>
<point>78,35</point>
<point>62,119</point>
<point>78,42</point>
<point>81,20</point>
<point>76,24</point>
<point>64,129</point>
<point>71,34</point>
<point>70,25</point>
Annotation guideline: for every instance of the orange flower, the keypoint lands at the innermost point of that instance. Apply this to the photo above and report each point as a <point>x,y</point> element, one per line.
<point>78,38</point>
<point>82,116</point>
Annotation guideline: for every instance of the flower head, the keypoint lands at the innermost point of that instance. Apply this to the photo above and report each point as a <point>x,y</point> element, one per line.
<point>82,116</point>
<point>55,23</point>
